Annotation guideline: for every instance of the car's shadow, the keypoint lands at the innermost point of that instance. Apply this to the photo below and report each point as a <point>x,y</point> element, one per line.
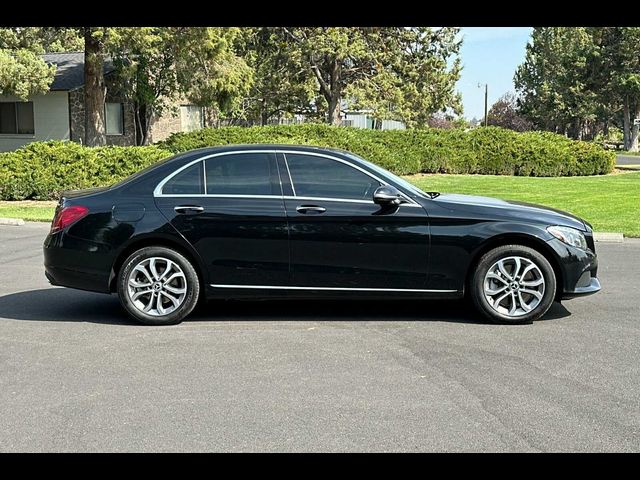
<point>66,305</point>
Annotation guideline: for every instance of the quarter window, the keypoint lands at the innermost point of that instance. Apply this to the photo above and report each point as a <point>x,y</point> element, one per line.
<point>242,174</point>
<point>188,182</point>
<point>322,177</point>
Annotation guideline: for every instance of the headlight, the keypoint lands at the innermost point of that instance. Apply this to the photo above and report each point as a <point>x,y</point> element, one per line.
<point>568,235</point>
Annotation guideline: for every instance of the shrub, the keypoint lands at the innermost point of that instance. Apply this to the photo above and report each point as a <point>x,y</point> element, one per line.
<point>41,170</point>
<point>488,151</point>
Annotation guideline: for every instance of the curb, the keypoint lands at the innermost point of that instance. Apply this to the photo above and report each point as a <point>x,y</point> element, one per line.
<point>11,221</point>
<point>613,237</point>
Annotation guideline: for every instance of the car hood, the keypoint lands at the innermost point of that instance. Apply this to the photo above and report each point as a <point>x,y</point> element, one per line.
<point>511,208</point>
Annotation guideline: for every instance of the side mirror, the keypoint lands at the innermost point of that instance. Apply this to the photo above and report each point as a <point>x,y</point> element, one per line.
<point>387,195</point>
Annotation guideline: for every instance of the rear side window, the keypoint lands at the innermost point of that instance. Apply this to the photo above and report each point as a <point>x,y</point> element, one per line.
<point>242,174</point>
<point>322,177</point>
<point>189,181</point>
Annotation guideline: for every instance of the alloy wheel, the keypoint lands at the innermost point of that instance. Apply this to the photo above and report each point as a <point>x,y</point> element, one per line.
<point>514,286</point>
<point>157,286</point>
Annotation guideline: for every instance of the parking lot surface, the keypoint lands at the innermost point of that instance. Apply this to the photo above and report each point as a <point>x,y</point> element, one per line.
<point>77,375</point>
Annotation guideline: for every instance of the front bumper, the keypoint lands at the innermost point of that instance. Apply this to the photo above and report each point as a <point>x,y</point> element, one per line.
<point>593,287</point>
<point>579,269</point>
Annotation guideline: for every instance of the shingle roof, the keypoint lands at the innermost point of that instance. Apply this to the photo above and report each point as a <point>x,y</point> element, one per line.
<point>70,69</point>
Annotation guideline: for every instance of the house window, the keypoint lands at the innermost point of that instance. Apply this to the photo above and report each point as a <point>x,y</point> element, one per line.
<point>114,117</point>
<point>16,118</point>
<point>191,118</point>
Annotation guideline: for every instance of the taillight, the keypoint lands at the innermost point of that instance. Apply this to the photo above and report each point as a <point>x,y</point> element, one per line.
<point>68,215</point>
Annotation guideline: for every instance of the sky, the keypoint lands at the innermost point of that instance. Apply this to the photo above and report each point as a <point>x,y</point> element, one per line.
<point>489,55</point>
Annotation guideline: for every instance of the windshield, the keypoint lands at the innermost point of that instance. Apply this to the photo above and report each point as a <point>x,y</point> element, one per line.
<point>389,176</point>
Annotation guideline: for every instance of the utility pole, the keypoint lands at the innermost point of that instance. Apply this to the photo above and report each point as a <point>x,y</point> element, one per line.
<point>486,95</point>
<point>486,112</point>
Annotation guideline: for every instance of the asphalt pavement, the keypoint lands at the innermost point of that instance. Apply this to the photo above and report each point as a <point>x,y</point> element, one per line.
<point>77,375</point>
<point>627,160</point>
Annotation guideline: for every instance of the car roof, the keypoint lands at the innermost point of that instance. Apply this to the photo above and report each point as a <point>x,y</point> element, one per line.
<point>266,146</point>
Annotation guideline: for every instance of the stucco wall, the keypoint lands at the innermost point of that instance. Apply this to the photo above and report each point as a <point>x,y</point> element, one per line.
<point>50,120</point>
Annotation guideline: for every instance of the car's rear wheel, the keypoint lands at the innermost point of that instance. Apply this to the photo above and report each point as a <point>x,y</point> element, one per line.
<point>513,284</point>
<point>158,286</point>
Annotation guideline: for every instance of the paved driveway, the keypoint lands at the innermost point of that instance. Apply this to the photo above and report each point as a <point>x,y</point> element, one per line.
<point>75,374</point>
<point>627,160</point>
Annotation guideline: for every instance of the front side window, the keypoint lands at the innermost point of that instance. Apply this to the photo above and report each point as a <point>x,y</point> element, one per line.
<point>114,118</point>
<point>241,174</point>
<point>322,177</point>
<point>16,118</point>
<point>187,182</point>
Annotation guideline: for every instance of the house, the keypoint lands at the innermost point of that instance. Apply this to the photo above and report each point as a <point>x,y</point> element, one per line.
<point>59,114</point>
<point>363,119</point>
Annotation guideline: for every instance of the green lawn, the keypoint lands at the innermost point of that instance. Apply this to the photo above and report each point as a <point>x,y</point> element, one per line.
<point>611,203</point>
<point>28,210</point>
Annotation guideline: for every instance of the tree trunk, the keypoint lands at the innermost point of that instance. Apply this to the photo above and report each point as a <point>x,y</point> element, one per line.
<point>147,114</point>
<point>333,115</point>
<point>635,130</point>
<point>625,124</point>
<point>94,91</point>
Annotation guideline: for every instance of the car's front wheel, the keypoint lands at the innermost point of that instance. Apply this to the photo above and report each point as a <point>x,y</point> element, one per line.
<point>513,284</point>
<point>158,286</point>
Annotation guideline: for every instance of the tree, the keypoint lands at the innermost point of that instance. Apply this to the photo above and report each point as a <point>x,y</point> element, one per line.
<point>155,65</point>
<point>282,83</point>
<point>95,41</point>
<point>22,71</point>
<point>504,113</point>
<point>556,82</point>
<point>619,76</point>
<point>393,71</point>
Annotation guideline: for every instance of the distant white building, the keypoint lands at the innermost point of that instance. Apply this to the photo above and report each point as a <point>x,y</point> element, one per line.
<point>363,119</point>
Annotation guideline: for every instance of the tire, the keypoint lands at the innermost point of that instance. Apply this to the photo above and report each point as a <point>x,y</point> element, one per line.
<point>494,294</point>
<point>153,273</point>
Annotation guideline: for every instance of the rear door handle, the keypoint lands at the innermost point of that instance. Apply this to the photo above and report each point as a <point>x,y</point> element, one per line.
<point>188,209</point>
<point>312,209</point>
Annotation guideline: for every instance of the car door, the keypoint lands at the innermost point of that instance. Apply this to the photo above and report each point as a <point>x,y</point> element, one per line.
<point>339,238</point>
<point>229,206</point>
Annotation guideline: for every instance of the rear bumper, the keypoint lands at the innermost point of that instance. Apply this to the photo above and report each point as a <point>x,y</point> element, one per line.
<point>74,267</point>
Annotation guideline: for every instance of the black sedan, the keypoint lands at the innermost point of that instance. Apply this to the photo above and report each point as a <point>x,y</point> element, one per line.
<point>268,221</point>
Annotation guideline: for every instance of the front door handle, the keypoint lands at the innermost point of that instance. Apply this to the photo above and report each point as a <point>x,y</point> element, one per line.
<point>312,209</point>
<point>188,209</point>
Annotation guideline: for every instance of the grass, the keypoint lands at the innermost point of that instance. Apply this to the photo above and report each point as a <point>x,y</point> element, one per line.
<point>28,210</point>
<point>611,203</point>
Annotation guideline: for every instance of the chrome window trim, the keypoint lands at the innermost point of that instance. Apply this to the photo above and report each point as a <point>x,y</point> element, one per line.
<point>289,287</point>
<point>279,197</point>
<point>330,157</point>
<point>157,192</point>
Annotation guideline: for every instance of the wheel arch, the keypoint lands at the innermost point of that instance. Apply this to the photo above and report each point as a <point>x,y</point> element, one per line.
<point>142,242</point>
<point>517,238</point>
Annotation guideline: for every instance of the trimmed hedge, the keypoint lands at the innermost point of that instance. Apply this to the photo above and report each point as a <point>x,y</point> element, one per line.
<point>487,151</point>
<point>41,170</point>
